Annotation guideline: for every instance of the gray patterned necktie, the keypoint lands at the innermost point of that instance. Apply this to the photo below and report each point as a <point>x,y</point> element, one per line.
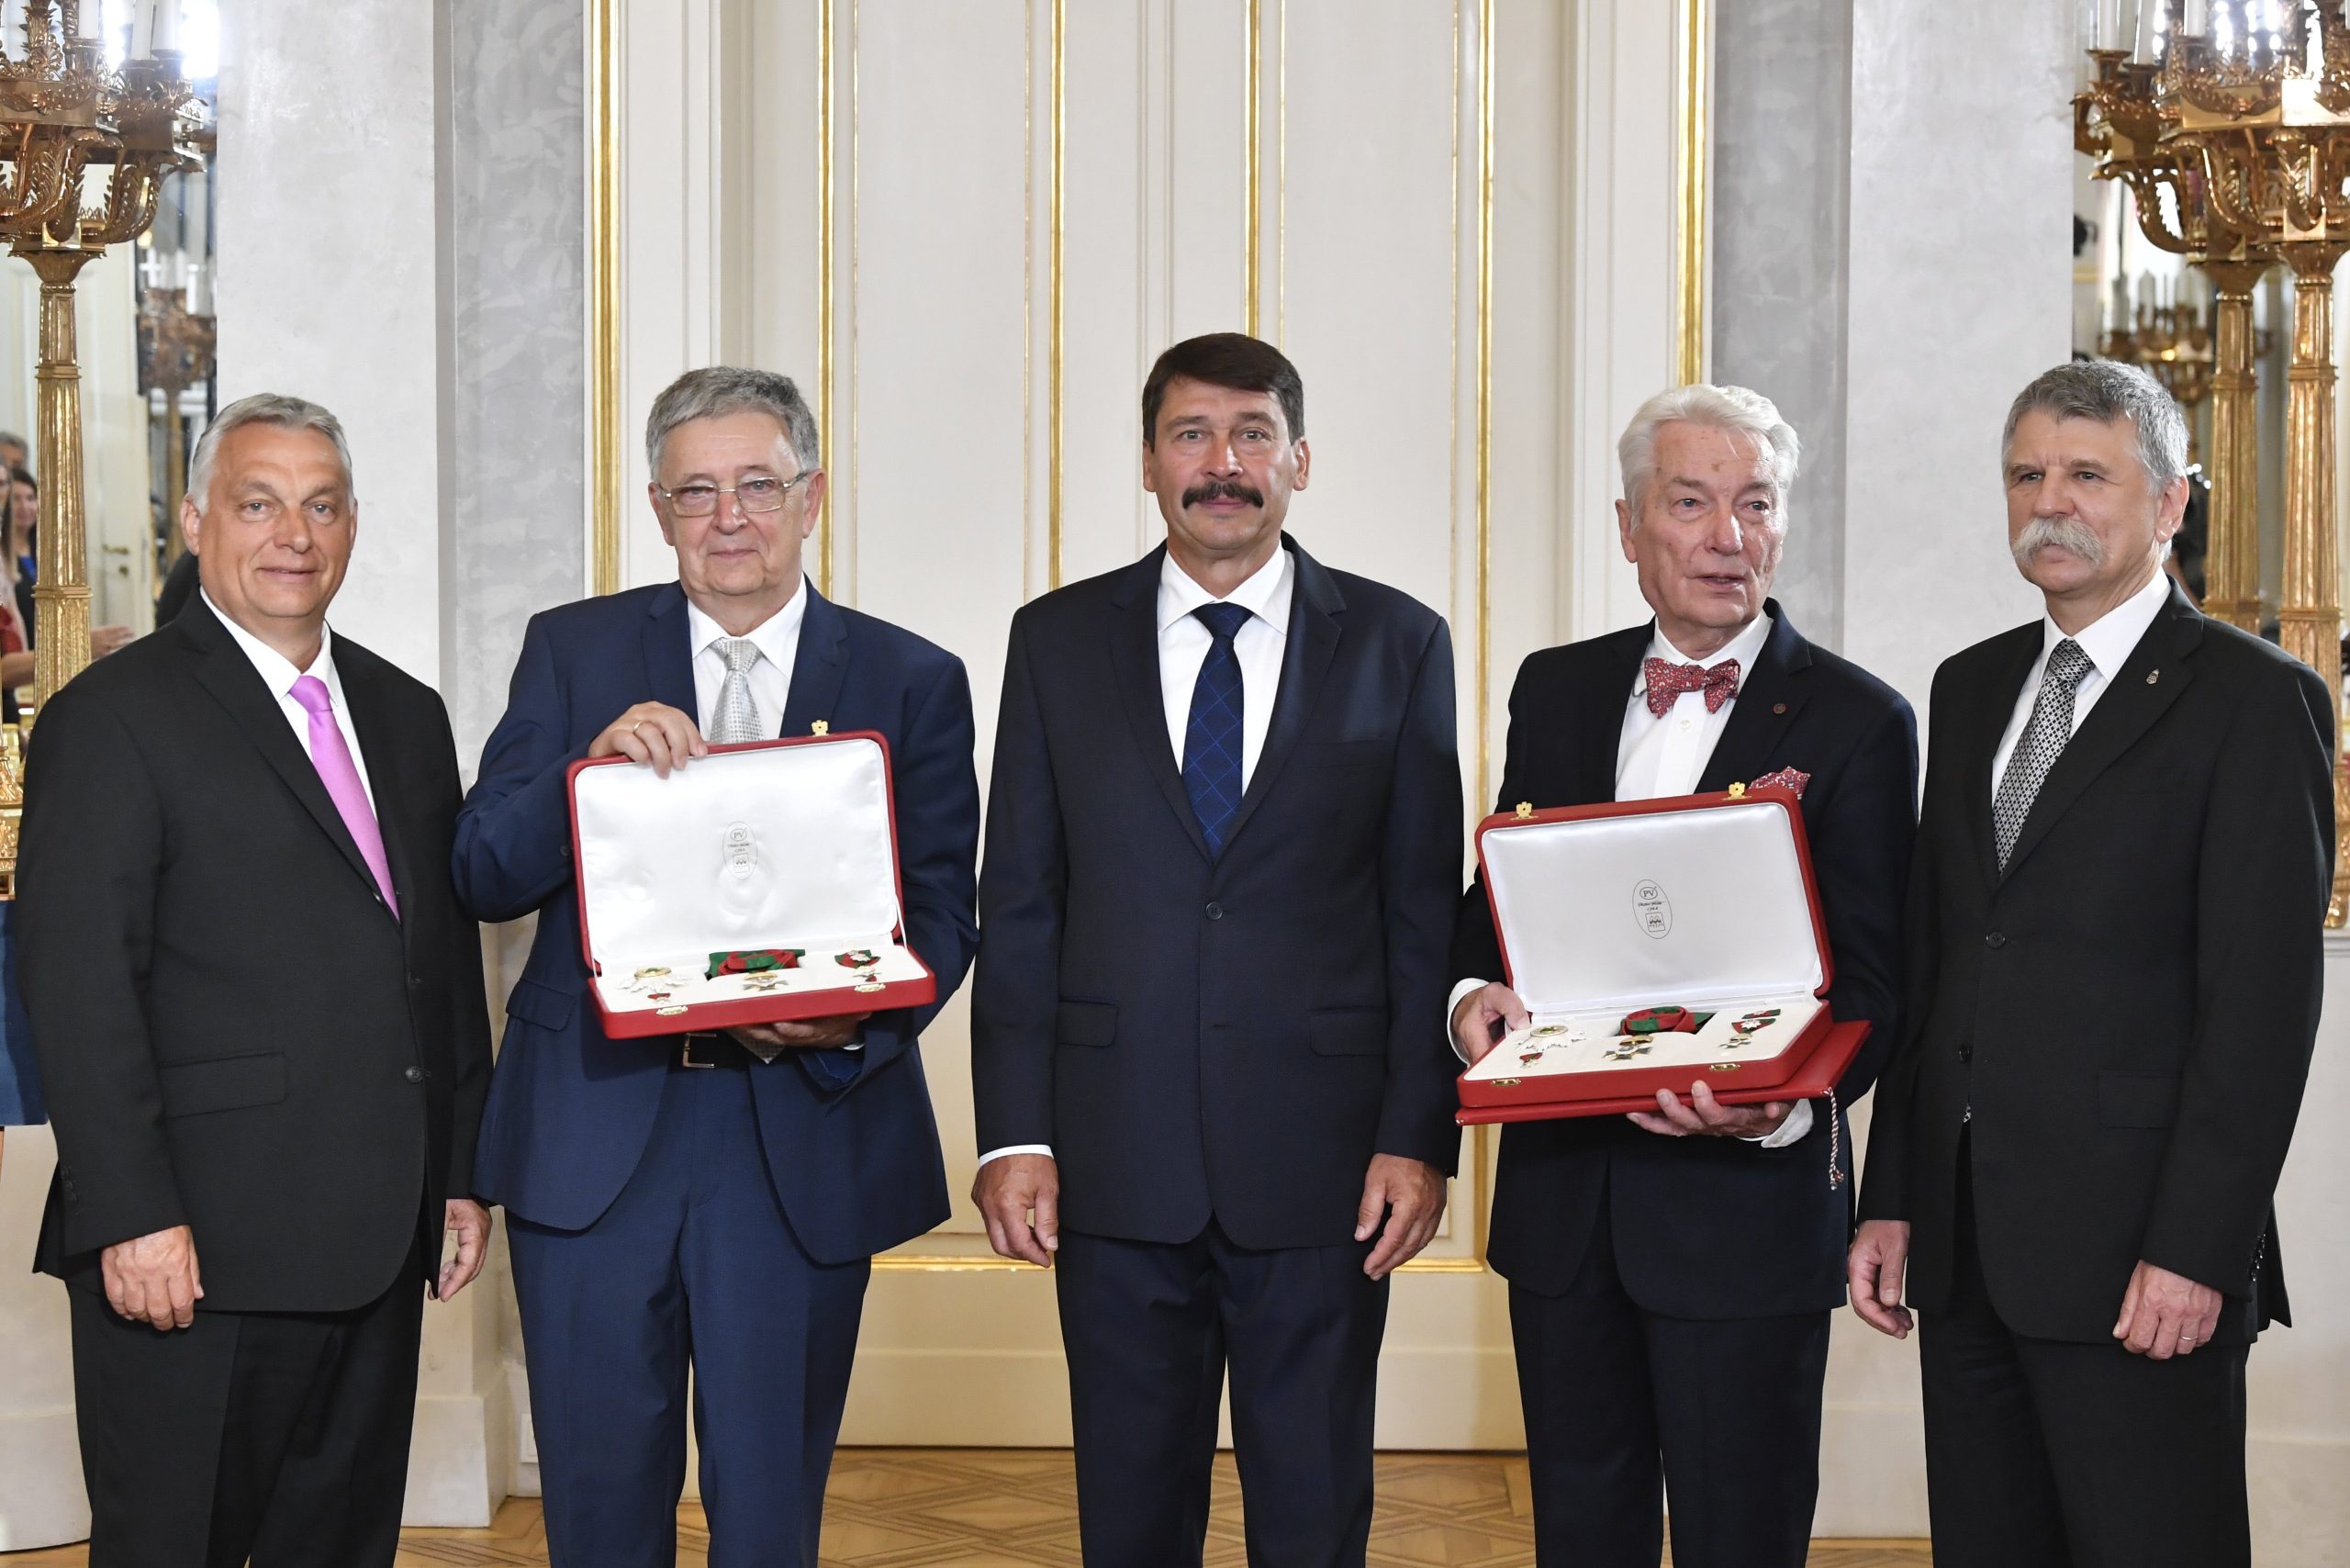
<point>2041,743</point>
<point>737,718</point>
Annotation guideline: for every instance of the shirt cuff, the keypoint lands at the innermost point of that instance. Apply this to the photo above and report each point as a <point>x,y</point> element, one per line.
<point>1043,1148</point>
<point>1453,1007</point>
<point>1791,1130</point>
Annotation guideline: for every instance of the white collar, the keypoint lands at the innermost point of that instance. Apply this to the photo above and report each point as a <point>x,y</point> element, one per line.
<point>277,671</point>
<point>2111,638</point>
<point>1745,648</point>
<point>778,636</point>
<point>1264,594</point>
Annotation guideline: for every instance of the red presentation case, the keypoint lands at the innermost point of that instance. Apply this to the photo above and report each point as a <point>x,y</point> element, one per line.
<point>787,843</point>
<point>1704,902</point>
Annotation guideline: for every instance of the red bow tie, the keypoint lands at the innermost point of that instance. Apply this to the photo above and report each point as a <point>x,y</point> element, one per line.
<point>1667,681</point>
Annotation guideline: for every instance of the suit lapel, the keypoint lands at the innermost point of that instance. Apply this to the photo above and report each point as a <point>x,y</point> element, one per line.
<point>1600,735</point>
<point>2013,665</point>
<point>2125,710</point>
<point>379,750</point>
<point>1769,697</point>
<point>1316,605</point>
<point>1134,660</point>
<point>669,652</point>
<point>231,677</point>
<point>819,667</point>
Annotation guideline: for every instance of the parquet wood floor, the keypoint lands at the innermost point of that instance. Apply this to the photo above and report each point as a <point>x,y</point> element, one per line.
<point>1017,1509</point>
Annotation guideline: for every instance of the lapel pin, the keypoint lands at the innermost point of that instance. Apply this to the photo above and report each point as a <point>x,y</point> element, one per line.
<point>2152,676</point>
<point>1778,707</point>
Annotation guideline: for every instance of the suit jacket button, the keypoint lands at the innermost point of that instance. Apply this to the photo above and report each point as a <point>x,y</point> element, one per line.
<point>414,1075</point>
<point>1996,939</point>
<point>1216,911</point>
<point>1966,1051</point>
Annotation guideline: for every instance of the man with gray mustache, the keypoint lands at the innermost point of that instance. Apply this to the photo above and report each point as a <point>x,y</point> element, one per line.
<point>2124,863</point>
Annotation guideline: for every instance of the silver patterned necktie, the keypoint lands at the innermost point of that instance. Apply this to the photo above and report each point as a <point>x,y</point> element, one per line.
<point>2041,743</point>
<point>737,718</point>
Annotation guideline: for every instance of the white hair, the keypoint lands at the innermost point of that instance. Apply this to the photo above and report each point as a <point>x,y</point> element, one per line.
<point>1732,409</point>
<point>262,409</point>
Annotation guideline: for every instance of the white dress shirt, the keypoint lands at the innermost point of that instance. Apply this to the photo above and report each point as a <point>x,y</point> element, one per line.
<point>779,641</point>
<point>2108,641</point>
<point>277,673</point>
<point>1663,755</point>
<point>1183,643</point>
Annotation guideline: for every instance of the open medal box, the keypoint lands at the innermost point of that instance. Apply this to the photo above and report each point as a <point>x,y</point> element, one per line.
<point>754,885</point>
<point>1656,944</point>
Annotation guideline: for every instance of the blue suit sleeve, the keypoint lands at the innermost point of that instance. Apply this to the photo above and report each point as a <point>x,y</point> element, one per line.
<point>937,796</point>
<point>513,844</point>
<point>21,1103</point>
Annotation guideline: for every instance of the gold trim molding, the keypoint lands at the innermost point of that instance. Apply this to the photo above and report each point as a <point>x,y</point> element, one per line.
<point>1694,157</point>
<point>604,465</point>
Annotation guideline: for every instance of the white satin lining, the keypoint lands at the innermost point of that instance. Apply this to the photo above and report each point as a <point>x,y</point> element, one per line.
<point>1597,1036</point>
<point>773,846</point>
<point>1583,935</point>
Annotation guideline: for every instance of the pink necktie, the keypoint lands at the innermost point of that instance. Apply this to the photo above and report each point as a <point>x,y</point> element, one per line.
<point>339,774</point>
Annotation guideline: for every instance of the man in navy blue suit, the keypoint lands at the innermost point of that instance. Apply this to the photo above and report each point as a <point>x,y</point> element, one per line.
<point>1223,851</point>
<point>707,1201</point>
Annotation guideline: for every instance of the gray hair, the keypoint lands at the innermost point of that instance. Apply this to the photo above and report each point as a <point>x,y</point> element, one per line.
<point>730,389</point>
<point>262,409</point>
<point>2108,392</point>
<point>1732,409</point>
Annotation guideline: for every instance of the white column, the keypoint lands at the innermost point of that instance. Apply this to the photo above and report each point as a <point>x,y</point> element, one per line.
<point>334,287</point>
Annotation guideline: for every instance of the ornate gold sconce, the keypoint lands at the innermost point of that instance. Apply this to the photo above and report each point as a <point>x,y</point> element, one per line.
<point>175,352</point>
<point>65,117</point>
<point>2235,141</point>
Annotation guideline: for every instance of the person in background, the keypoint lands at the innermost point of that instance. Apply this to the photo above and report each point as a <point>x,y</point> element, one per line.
<point>14,452</point>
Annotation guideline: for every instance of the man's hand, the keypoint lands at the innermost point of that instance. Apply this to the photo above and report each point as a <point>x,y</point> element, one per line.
<point>654,732</point>
<point>105,640</point>
<point>1704,1116</point>
<point>154,1278</point>
<point>2164,1315</point>
<point>840,1029</point>
<point>1874,1272</point>
<point>470,1222</point>
<point>1008,1191</point>
<point>1410,1192</point>
<point>1483,1016</point>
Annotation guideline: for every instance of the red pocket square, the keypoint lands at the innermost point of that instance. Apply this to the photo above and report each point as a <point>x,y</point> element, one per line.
<point>1788,779</point>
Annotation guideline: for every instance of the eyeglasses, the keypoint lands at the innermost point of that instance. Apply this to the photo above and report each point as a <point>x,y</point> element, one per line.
<point>760,494</point>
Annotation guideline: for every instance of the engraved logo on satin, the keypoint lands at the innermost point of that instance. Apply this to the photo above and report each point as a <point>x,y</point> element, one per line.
<point>742,851</point>
<point>1652,910</point>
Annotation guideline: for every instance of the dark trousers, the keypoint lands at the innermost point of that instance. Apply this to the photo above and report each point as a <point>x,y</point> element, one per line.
<point>1625,1408</point>
<point>2045,1454</point>
<point>279,1437</point>
<point>1150,1330</point>
<point>694,1267</point>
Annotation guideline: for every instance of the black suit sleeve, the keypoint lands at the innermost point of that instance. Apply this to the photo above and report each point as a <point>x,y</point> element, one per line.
<point>2264,874</point>
<point>1860,860</point>
<point>1015,999</point>
<point>1476,946</point>
<point>937,799</point>
<point>1419,869</point>
<point>91,860</point>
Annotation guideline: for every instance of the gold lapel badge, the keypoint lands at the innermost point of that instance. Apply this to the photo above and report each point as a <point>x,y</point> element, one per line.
<point>820,727</point>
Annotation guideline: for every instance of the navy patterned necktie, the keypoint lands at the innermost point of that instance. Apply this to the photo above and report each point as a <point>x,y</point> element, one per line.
<point>2043,741</point>
<point>1212,738</point>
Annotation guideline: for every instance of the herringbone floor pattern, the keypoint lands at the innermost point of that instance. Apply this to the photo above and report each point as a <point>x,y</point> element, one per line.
<point>1017,1509</point>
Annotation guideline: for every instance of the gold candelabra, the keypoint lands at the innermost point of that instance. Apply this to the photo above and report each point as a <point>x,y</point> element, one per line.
<point>2235,143</point>
<point>86,146</point>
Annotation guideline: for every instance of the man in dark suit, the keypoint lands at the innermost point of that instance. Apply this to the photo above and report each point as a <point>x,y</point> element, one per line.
<point>1672,1275</point>
<point>261,1029</point>
<point>696,1200</point>
<point>1222,850</point>
<point>2113,988</point>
